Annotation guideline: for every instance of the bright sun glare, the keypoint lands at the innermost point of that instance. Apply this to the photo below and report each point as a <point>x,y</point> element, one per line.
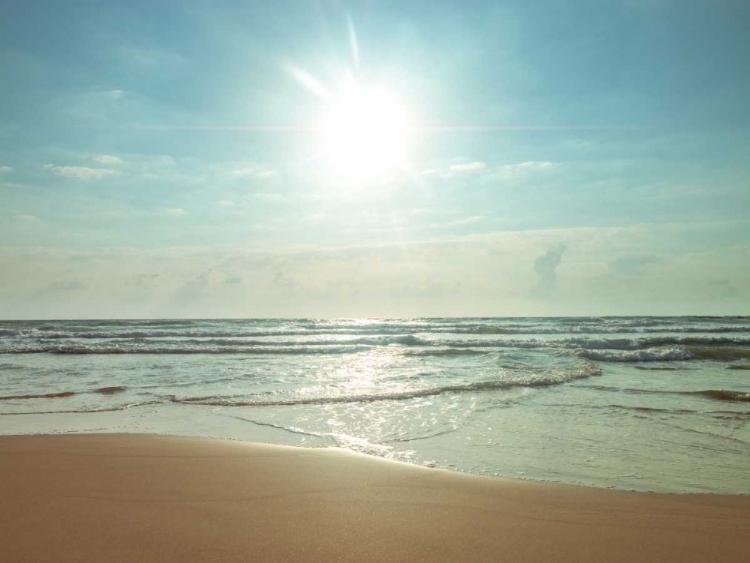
<point>365,132</point>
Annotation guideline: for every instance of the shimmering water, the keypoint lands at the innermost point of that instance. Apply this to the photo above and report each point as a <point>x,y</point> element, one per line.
<point>645,403</point>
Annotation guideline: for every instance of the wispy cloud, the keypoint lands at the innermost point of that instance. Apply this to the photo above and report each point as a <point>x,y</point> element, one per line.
<point>113,94</point>
<point>225,203</point>
<point>502,171</point>
<point>79,172</point>
<point>521,170</point>
<point>469,167</point>
<point>253,171</point>
<point>106,159</point>
<point>463,221</point>
<point>5,169</point>
<point>175,211</point>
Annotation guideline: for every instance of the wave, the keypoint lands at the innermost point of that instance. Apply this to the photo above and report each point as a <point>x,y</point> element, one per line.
<point>722,395</point>
<point>83,349</point>
<point>720,353</point>
<point>110,390</point>
<point>125,407</point>
<point>647,355</point>
<point>255,329</point>
<point>602,350</point>
<point>640,343</point>
<point>446,352</point>
<point>65,394</point>
<point>652,409</point>
<point>715,394</point>
<point>549,380</point>
<point>404,339</point>
<point>60,395</point>
<point>346,337</point>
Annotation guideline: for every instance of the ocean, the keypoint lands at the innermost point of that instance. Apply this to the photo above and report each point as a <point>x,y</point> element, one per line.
<point>643,403</point>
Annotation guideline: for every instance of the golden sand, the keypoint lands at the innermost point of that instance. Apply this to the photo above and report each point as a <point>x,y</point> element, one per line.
<point>130,498</point>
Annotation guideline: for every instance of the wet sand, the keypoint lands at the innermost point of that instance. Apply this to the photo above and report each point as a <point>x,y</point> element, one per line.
<point>103,497</point>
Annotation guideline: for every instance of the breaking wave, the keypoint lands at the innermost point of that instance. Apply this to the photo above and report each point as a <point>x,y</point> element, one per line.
<point>446,352</point>
<point>648,355</point>
<point>655,349</point>
<point>179,349</point>
<point>549,380</point>
<point>260,328</point>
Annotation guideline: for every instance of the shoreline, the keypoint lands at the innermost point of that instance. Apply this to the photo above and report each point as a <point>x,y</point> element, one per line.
<point>510,478</point>
<point>272,440</point>
<point>75,497</point>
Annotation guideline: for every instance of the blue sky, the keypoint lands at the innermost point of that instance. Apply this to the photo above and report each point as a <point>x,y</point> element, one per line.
<point>163,159</point>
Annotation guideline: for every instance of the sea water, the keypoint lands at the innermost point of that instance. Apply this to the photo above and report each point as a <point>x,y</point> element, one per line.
<point>643,403</point>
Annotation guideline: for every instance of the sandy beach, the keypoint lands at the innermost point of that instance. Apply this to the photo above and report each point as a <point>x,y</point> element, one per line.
<point>156,498</point>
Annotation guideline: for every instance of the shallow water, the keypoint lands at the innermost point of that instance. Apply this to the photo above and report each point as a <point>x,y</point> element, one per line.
<point>637,403</point>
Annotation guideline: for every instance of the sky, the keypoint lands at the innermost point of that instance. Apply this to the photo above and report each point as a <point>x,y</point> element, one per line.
<point>381,159</point>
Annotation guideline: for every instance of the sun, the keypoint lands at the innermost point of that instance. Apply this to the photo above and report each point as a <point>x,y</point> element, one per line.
<point>365,132</point>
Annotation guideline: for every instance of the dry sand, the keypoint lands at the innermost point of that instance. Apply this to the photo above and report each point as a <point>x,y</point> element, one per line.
<point>111,498</point>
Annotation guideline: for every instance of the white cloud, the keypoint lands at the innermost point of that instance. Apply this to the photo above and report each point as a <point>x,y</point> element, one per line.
<point>469,167</point>
<point>521,170</point>
<point>254,171</point>
<point>79,172</point>
<point>113,94</point>
<point>538,165</point>
<point>106,159</point>
<point>267,226</point>
<point>518,272</point>
<point>5,169</point>
<point>246,171</point>
<point>463,221</point>
<point>27,218</point>
<point>502,172</point>
<point>225,203</point>
<point>545,267</point>
<point>175,211</point>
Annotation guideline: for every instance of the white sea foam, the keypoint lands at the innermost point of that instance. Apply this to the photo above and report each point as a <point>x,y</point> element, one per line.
<point>647,355</point>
